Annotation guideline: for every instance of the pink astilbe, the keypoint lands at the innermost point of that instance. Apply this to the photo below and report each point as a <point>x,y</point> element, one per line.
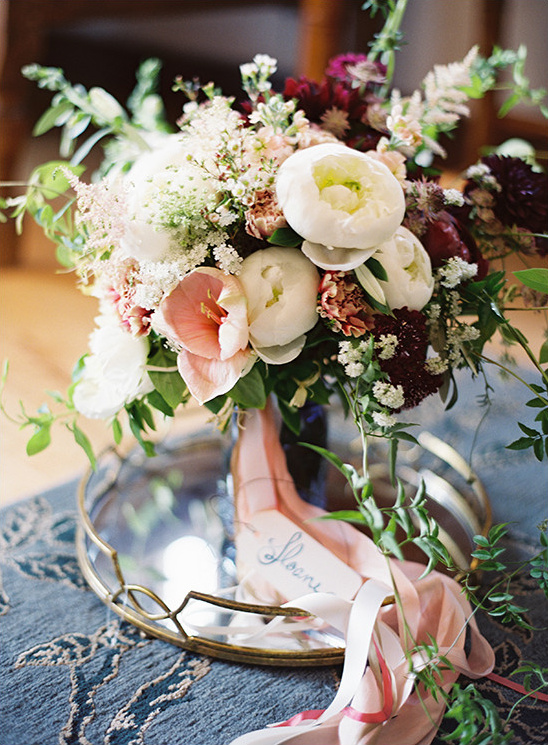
<point>101,212</point>
<point>342,303</point>
<point>206,317</point>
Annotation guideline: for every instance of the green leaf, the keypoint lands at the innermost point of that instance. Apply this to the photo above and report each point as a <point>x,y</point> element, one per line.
<point>39,440</point>
<point>536,279</point>
<point>543,355</point>
<point>527,430</point>
<point>85,444</point>
<point>285,237</point>
<point>520,444</point>
<point>249,391</point>
<point>51,117</point>
<point>170,385</point>
<point>377,269</point>
<point>117,431</point>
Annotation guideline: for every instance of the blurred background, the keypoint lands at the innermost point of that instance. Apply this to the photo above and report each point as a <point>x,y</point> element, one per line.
<point>44,320</point>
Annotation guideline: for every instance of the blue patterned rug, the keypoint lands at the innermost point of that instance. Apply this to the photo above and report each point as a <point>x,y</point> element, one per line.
<point>74,674</point>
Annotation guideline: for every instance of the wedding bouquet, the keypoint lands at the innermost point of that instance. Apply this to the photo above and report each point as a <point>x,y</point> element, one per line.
<point>293,244</point>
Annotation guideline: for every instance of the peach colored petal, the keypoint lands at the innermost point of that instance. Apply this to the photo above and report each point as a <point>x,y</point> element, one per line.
<point>207,314</point>
<point>207,378</point>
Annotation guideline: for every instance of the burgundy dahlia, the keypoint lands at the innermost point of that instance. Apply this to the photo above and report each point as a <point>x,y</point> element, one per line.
<point>407,365</point>
<point>523,196</point>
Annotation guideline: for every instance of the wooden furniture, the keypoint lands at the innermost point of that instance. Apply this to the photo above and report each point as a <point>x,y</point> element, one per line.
<point>26,25</point>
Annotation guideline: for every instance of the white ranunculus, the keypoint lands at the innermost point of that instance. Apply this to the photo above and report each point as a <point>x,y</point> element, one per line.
<point>154,172</point>
<point>410,282</point>
<point>281,287</point>
<point>343,202</point>
<point>114,373</point>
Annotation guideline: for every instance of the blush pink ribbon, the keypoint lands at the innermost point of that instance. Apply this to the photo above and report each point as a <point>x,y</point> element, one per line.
<point>377,700</point>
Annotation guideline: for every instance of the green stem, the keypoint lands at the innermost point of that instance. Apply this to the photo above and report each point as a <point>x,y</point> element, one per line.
<point>517,377</point>
<point>384,41</point>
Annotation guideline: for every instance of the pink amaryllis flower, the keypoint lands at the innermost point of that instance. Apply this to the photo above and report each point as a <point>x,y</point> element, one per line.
<point>206,317</point>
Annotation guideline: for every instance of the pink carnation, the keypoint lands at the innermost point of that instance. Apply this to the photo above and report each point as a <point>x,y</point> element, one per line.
<point>264,216</point>
<point>342,304</point>
<point>133,317</point>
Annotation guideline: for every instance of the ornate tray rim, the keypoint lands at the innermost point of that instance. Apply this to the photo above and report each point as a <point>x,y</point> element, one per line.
<point>124,599</point>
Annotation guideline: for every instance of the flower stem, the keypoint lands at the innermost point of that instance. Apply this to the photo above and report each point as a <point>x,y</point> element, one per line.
<point>518,377</point>
<point>385,43</point>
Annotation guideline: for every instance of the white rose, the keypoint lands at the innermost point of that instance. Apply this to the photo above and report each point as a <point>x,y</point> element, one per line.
<point>343,202</point>
<point>410,282</point>
<point>114,373</point>
<point>281,287</point>
<point>153,172</point>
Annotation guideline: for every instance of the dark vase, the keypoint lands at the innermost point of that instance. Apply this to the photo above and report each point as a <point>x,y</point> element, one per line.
<point>307,467</point>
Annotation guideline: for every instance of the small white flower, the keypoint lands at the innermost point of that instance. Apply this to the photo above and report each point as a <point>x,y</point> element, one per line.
<point>453,197</point>
<point>436,365</point>
<point>382,419</point>
<point>387,343</point>
<point>478,171</point>
<point>456,271</point>
<point>388,394</point>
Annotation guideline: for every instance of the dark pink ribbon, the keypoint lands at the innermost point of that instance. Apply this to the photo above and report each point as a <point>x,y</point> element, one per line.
<point>373,717</point>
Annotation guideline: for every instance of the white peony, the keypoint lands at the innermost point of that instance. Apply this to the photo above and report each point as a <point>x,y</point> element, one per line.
<point>154,172</point>
<point>407,264</point>
<point>281,287</point>
<point>343,202</point>
<point>114,372</point>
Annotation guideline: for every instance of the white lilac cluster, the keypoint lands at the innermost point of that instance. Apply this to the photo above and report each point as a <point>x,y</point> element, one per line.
<point>383,419</point>
<point>386,344</point>
<point>453,197</point>
<point>350,357</point>
<point>388,395</point>
<point>481,174</point>
<point>456,271</point>
<point>456,339</point>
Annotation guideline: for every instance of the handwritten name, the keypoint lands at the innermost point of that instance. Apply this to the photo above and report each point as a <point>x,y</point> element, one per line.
<point>285,556</point>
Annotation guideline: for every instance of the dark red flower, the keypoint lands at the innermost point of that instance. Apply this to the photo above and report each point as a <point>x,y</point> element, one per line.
<point>407,366</point>
<point>523,196</point>
<point>356,69</point>
<point>447,237</point>
<point>316,99</point>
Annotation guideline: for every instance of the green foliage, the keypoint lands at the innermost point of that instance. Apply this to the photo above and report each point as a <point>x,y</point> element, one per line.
<point>539,563</point>
<point>76,110</point>
<point>477,718</point>
<point>536,279</point>
<point>285,237</point>
<point>485,78</point>
<point>392,527</point>
<point>169,384</point>
<point>537,439</point>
